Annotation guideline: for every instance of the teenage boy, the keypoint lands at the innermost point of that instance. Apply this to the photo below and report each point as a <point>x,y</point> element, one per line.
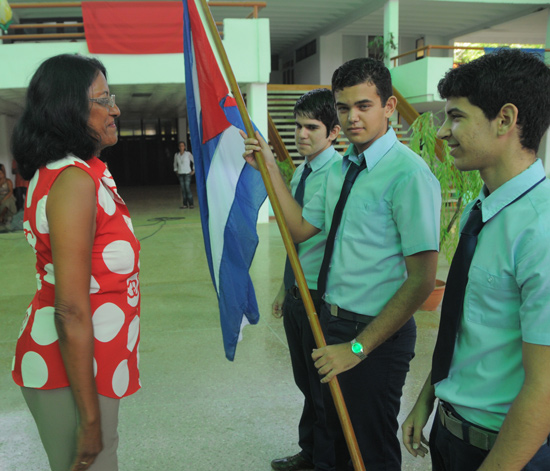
<point>494,391</point>
<point>316,129</point>
<point>382,262</point>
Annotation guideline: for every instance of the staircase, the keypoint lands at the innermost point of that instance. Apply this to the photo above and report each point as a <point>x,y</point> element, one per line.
<point>280,105</point>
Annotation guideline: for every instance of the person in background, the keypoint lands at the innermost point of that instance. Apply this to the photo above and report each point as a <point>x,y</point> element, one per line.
<point>316,129</point>
<point>7,200</point>
<point>21,186</point>
<point>77,351</point>
<point>183,166</point>
<point>490,363</point>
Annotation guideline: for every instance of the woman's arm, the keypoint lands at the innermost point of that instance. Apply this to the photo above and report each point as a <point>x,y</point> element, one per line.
<point>71,212</point>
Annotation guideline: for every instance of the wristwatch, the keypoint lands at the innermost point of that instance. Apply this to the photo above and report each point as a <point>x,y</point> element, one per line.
<point>357,349</point>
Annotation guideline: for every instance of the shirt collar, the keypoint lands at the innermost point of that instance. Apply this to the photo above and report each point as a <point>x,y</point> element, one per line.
<point>492,203</point>
<point>320,160</point>
<point>373,154</point>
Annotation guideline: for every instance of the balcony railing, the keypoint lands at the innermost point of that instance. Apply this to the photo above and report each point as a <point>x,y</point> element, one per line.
<point>21,35</point>
<point>425,50</point>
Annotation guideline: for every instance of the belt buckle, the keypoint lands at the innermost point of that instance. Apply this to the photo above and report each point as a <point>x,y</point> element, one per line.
<point>334,310</point>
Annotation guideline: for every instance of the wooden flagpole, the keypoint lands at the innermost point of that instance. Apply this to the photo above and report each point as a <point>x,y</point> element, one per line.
<point>335,390</point>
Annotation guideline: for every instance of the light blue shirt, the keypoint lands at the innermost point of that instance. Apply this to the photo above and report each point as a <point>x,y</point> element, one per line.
<point>392,212</point>
<point>507,300</point>
<point>312,250</point>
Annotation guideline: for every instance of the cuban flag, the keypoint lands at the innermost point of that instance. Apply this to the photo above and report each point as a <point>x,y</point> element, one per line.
<point>230,192</point>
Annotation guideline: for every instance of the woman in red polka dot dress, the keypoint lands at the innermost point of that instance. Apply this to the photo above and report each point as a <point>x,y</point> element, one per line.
<point>77,352</point>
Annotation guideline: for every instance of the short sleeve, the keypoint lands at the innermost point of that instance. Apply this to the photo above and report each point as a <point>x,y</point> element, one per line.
<point>314,210</point>
<point>533,279</point>
<point>416,211</point>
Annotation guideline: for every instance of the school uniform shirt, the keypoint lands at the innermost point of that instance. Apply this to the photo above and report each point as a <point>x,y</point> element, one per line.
<point>392,212</point>
<point>506,300</point>
<point>312,250</point>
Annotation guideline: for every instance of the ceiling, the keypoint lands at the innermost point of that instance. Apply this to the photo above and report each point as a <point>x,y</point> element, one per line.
<point>296,21</point>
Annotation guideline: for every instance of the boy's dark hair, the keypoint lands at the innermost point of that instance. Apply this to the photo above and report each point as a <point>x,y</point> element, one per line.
<point>318,104</point>
<point>55,118</point>
<point>505,76</point>
<point>363,70</point>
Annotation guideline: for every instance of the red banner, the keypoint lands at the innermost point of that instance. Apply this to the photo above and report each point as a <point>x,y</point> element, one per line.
<point>133,27</point>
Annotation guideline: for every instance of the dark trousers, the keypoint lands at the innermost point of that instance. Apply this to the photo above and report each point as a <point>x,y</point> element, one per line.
<point>185,183</point>
<point>372,392</point>
<point>313,435</point>
<point>449,453</point>
<point>19,193</point>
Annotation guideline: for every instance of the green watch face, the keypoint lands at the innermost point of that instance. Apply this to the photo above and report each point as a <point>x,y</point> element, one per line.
<point>356,347</point>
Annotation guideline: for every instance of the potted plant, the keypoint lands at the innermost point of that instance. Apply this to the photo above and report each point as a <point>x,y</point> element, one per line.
<point>457,189</point>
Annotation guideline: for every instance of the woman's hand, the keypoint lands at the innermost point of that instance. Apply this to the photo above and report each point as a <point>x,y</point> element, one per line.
<point>89,445</point>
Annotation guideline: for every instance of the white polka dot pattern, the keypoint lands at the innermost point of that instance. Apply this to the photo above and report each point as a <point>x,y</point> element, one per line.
<point>29,235</point>
<point>42,225</point>
<point>49,276</point>
<point>29,311</point>
<point>119,257</point>
<point>105,200</point>
<point>129,223</point>
<point>121,378</point>
<point>107,319</point>
<point>43,330</point>
<point>38,282</point>
<point>94,285</point>
<point>69,160</point>
<point>34,370</point>
<point>133,332</point>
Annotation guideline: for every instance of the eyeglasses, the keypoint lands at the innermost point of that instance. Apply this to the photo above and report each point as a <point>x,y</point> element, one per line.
<point>105,101</point>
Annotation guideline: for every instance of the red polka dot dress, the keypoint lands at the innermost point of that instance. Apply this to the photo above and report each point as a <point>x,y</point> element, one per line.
<point>114,290</point>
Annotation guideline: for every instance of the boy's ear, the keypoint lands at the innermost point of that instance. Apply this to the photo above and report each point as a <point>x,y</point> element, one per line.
<point>507,119</point>
<point>335,131</point>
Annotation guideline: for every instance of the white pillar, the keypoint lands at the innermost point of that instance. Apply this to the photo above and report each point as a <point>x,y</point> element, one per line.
<point>182,129</point>
<point>391,27</point>
<point>256,101</point>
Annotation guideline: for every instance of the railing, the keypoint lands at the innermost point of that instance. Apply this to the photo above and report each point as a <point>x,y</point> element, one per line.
<point>256,6</point>
<point>428,49</point>
<point>404,108</point>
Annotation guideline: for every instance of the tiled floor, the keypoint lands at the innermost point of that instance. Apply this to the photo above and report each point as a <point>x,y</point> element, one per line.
<point>196,411</point>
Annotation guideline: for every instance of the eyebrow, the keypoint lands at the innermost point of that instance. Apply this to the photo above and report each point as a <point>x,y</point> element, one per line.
<point>360,102</point>
<point>454,110</point>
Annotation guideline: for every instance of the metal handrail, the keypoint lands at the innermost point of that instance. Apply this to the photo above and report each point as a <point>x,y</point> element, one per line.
<point>428,48</point>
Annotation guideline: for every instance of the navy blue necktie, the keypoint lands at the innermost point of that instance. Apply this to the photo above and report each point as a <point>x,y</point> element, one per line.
<point>351,175</point>
<point>453,301</point>
<point>289,278</point>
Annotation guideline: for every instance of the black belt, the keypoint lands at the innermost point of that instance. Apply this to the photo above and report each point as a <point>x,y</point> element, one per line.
<point>294,291</point>
<point>337,311</point>
<point>465,431</point>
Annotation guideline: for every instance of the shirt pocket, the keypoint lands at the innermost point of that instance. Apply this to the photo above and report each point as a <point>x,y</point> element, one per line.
<point>492,300</point>
<point>361,216</point>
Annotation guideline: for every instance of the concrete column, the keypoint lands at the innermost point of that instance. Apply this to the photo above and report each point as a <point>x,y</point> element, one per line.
<point>256,101</point>
<point>391,27</point>
<point>182,129</point>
